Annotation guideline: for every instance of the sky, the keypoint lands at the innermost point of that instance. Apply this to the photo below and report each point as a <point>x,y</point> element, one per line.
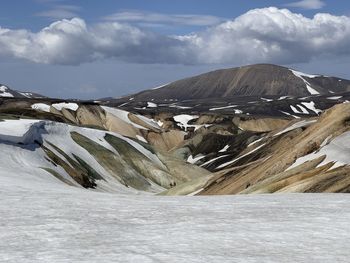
<point>93,49</point>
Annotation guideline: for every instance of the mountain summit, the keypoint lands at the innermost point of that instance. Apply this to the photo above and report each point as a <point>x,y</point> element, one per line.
<point>253,80</point>
<point>6,92</point>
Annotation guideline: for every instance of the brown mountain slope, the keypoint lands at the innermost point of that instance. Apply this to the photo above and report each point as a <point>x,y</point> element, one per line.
<point>279,158</point>
<point>253,80</point>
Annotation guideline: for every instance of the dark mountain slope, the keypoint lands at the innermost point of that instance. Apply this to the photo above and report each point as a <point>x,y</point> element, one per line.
<point>254,80</point>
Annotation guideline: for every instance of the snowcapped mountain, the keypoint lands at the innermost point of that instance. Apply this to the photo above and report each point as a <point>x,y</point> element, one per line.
<point>6,92</point>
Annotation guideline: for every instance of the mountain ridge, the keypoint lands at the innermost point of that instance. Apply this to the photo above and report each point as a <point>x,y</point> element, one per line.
<point>251,80</point>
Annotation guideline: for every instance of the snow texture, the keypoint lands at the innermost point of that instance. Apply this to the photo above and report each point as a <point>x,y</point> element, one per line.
<point>308,85</point>
<point>311,106</point>
<point>224,149</point>
<point>183,120</point>
<point>222,108</point>
<point>41,107</point>
<point>64,105</point>
<point>195,159</point>
<point>337,150</point>
<point>240,157</point>
<point>4,92</point>
<point>48,222</point>
<point>123,115</point>
<point>151,105</point>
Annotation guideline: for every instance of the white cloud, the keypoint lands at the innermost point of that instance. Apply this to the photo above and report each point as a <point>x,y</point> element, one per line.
<point>73,42</point>
<point>273,35</point>
<point>308,4</point>
<point>135,16</point>
<point>261,35</point>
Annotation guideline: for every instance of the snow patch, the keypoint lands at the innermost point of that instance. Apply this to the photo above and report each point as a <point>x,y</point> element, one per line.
<point>224,149</point>
<point>308,85</point>
<point>337,150</point>
<point>334,98</point>
<point>240,157</point>
<point>123,115</point>
<point>287,113</point>
<point>193,160</point>
<point>183,120</point>
<point>267,100</point>
<point>222,108</point>
<point>64,105</point>
<point>311,106</point>
<point>41,107</point>
<point>303,123</point>
<point>151,105</point>
<point>4,92</point>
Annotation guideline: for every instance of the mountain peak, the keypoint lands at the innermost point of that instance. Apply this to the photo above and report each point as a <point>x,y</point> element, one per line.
<point>250,80</point>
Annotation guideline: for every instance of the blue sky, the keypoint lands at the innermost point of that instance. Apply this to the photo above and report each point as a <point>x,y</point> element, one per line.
<point>91,49</point>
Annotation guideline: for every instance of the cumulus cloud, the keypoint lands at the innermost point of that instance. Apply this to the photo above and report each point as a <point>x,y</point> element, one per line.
<point>261,35</point>
<point>136,16</point>
<point>72,42</point>
<point>308,4</point>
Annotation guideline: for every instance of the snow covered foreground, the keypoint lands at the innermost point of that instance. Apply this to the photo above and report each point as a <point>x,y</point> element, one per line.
<point>52,222</point>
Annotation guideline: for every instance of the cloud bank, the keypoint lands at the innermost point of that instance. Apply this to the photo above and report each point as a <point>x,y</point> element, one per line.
<point>268,35</point>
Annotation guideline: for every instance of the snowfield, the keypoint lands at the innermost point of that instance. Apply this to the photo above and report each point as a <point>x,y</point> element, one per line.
<point>57,223</point>
<point>45,220</point>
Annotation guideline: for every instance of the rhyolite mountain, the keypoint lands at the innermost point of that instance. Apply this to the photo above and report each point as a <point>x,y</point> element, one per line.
<point>6,92</point>
<point>253,80</point>
<point>73,170</point>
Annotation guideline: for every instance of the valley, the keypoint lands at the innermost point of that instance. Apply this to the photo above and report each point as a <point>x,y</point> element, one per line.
<point>158,177</point>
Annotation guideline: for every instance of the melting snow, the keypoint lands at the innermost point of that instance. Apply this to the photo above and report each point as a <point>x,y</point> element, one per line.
<point>240,157</point>
<point>161,86</point>
<point>4,93</point>
<point>64,105</point>
<point>311,106</point>
<point>297,117</point>
<point>151,105</point>
<point>338,150</point>
<point>179,107</point>
<point>149,121</point>
<point>284,97</point>
<point>334,98</point>
<point>295,110</point>
<point>140,138</point>
<point>256,141</point>
<point>193,160</point>
<point>123,115</point>
<point>224,149</point>
<point>214,159</point>
<point>303,123</point>
<point>41,107</point>
<point>308,85</point>
<point>183,120</point>
<point>222,108</point>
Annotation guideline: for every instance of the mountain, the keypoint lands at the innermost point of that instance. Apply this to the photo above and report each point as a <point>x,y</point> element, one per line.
<point>6,92</point>
<point>253,80</point>
<point>88,145</point>
<point>71,171</point>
